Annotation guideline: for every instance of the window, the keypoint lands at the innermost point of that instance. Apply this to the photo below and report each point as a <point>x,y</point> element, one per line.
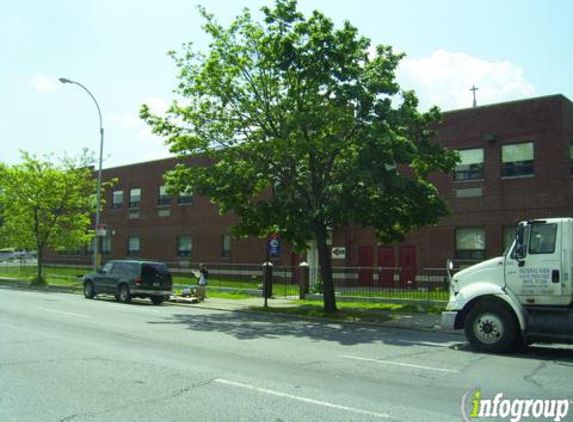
<point>470,244</point>
<point>185,196</point>
<point>508,237</point>
<point>517,160</point>
<point>154,270</point>
<point>107,268</point>
<point>106,245</point>
<point>470,166</point>
<point>226,246</point>
<point>134,197</point>
<point>184,246</point>
<point>117,199</point>
<point>133,245</point>
<point>542,239</point>
<point>125,269</point>
<point>164,198</point>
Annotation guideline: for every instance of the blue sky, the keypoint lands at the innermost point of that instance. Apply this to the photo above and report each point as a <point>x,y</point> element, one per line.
<point>117,48</point>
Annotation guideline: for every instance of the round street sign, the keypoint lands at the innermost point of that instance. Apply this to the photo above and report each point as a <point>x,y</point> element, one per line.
<point>274,245</point>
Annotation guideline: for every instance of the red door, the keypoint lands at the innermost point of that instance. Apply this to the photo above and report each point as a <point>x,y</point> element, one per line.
<point>386,262</point>
<point>407,266</point>
<point>365,262</point>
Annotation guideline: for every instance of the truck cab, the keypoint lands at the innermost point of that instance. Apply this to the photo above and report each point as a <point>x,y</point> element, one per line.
<point>522,297</point>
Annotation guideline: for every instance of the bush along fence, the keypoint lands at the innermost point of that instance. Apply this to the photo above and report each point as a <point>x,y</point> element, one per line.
<point>369,283</point>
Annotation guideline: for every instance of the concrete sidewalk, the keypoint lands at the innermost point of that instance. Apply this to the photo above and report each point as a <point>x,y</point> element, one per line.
<point>413,321</point>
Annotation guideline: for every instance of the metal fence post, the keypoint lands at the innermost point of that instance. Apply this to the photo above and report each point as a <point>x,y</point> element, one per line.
<point>303,280</point>
<point>267,280</point>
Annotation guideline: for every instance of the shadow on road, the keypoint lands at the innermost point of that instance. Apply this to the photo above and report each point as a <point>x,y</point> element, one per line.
<point>250,325</point>
<point>247,326</point>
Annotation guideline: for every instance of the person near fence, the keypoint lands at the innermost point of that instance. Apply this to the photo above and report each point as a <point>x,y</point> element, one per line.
<point>198,290</point>
<point>203,275</point>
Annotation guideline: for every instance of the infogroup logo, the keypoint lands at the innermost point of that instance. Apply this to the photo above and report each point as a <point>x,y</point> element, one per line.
<point>474,406</point>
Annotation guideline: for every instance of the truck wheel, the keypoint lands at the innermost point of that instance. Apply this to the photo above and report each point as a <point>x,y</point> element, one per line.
<point>124,295</point>
<point>157,300</point>
<point>89,291</point>
<point>491,327</point>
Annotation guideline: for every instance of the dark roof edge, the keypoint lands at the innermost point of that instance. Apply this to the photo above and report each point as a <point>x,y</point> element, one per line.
<point>173,158</point>
<point>506,103</point>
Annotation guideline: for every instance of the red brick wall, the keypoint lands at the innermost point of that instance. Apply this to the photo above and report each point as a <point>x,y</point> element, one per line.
<point>545,121</point>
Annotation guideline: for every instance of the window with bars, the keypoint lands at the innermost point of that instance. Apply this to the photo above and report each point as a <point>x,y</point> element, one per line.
<point>163,197</point>
<point>184,246</point>
<point>117,199</point>
<point>133,245</point>
<point>471,166</point>
<point>517,160</point>
<point>470,244</point>
<point>134,197</point>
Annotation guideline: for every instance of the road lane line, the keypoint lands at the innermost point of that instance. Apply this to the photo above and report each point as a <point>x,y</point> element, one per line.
<point>425,343</point>
<point>302,399</point>
<point>65,313</point>
<point>409,365</point>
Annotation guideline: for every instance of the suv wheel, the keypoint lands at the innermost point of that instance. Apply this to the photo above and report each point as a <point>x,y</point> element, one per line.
<point>124,295</point>
<point>89,291</point>
<point>157,300</point>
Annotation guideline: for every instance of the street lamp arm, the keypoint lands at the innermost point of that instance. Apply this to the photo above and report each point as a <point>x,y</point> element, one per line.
<point>69,81</point>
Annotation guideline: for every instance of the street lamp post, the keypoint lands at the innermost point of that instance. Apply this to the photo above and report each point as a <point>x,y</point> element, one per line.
<point>98,193</point>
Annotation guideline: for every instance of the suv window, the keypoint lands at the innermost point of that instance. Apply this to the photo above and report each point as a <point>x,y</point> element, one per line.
<point>125,269</point>
<point>107,267</point>
<point>154,269</point>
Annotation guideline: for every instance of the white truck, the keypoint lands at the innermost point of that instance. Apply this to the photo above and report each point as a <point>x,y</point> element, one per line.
<point>522,297</point>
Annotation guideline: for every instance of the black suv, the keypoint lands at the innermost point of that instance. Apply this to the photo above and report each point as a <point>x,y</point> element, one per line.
<point>127,279</point>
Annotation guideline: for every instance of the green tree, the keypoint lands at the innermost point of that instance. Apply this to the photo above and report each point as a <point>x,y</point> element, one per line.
<point>305,130</point>
<point>44,205</point>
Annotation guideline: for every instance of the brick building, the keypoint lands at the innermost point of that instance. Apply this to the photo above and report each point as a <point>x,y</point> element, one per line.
<point>516,163</point>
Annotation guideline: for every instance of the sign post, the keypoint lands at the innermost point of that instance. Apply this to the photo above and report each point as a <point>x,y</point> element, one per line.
<point>273,251</point>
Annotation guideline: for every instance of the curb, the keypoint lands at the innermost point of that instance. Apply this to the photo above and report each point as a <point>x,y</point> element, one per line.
<point>202,305</point>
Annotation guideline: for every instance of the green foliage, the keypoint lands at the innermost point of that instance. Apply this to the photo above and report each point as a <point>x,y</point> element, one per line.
<point>302,127</point>
<point>317,287</point>
<point>44,205</point>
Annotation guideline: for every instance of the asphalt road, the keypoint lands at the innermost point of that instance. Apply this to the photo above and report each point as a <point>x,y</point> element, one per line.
<point>65,358</point>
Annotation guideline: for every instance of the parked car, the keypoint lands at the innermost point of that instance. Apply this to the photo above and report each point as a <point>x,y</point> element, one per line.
<point>7,254</point>
<point>126,279</point>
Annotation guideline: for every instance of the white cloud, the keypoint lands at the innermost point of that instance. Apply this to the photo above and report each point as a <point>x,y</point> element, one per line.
<point>127,121</point>
<point>141,144</point>
<point>444,79</point>
<point>156,105</point>
<point>42,83</point>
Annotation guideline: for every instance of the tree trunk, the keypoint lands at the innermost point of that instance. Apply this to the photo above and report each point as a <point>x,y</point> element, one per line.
<point>40,280</point>
<point>325,268</point>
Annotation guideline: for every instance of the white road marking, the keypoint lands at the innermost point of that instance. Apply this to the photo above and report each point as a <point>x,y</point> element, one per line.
<point>65,313</point>
<point>302,399</point>
<point>426,343</point>
<point>408,365</point>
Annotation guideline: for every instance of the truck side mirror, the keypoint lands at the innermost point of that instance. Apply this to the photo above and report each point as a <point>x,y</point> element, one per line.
<point>450,264</point>
<point>520,247</point>
<point>449,268</point>
<point>520,252</point>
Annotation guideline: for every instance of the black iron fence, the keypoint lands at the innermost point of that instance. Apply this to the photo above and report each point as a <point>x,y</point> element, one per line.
<point>427,284</point>
<point>355,282</point>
